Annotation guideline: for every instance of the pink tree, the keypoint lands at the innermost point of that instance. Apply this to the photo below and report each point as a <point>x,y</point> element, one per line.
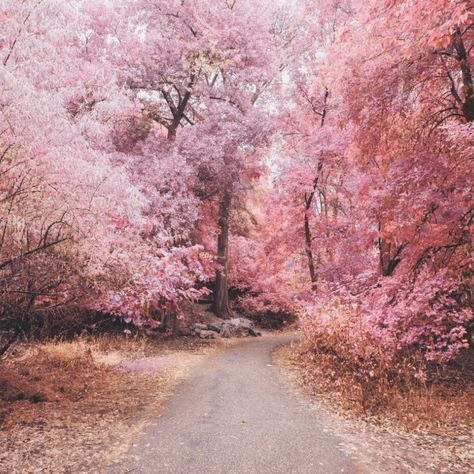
<point>75,216</point>
<point>192,69</point>
<point>390,167</point>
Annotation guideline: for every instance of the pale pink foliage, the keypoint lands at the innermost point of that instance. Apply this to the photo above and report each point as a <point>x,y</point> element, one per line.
<point>119,133</point>
<point>393,167</point>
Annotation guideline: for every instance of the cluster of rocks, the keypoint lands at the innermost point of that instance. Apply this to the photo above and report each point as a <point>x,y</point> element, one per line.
<point>235,327</point>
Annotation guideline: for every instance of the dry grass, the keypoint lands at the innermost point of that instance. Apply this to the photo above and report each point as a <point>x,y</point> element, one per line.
<point>444,403</point>
<point>67,407</point>
<point>414,428</point>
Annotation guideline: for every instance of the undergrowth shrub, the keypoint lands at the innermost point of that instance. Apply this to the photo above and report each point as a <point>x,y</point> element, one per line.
<point>382,358</point>
<point>267,312</point>
<point>59,323</point>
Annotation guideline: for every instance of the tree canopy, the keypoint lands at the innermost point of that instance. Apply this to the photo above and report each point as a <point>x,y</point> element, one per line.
<point>316,156</point>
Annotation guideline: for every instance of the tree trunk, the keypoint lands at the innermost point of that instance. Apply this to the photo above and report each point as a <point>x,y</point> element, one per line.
<point>309,252</point>
<point>309,200</point>
<point>308,245</point>
<point>389,255</point>
<point>384,257</point>
<point>172,133</point>
<point>221,292</point>
<point>169,321</point>
<point>467,106</point>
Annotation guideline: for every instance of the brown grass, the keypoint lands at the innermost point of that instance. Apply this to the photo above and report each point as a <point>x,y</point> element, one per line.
<point>65,406</point>
<point>414,425</point>
<point>446,402</point>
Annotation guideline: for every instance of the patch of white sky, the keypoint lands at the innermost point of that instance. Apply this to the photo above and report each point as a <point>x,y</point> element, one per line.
<point>276,155</point>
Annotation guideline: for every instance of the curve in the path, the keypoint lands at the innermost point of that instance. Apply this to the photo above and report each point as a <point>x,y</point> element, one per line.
<point>234,415</point>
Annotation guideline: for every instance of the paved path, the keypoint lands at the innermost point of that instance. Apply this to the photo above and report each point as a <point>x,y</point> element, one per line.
<point>234,415</point>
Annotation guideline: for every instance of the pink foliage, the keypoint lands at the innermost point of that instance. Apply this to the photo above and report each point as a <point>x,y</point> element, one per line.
<point>373,180</point>
<point>341,131</point>
<point>99,206</point>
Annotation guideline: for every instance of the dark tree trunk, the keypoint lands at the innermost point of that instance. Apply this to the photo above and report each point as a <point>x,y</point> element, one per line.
<point>178,107</point>
<point>386,266</point>
<point>467,105</point>
<point>308,201</point>
<point>172,133</point>
<point>169,320</point>
<point>389,255</point>
<point>309,252</point>
<point>221,292</point>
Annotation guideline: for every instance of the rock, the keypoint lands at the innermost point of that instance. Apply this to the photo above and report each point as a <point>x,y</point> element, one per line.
<point>242,322</point>
<point>226,330</point>
<point>215,327</point>
<point>199,326</point>
<point>235,327</point>
<point>203,334</point>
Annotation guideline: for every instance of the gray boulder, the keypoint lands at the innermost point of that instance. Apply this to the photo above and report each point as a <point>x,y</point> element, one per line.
<point>238,327</point>
<point>199,326</point>
<point>226,330</point>
<point>203,334</point>
<point>215,326</point>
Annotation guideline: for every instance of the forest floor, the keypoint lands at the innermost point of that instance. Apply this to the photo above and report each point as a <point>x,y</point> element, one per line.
<point>74,407</point>
<point>104,405</point>
<point>425,433</point>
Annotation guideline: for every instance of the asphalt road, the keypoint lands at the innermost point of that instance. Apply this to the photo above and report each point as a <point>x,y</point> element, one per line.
<point>236,416</point>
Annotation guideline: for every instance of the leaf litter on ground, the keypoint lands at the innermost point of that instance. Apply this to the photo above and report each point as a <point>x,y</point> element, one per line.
<point>76,407</point>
